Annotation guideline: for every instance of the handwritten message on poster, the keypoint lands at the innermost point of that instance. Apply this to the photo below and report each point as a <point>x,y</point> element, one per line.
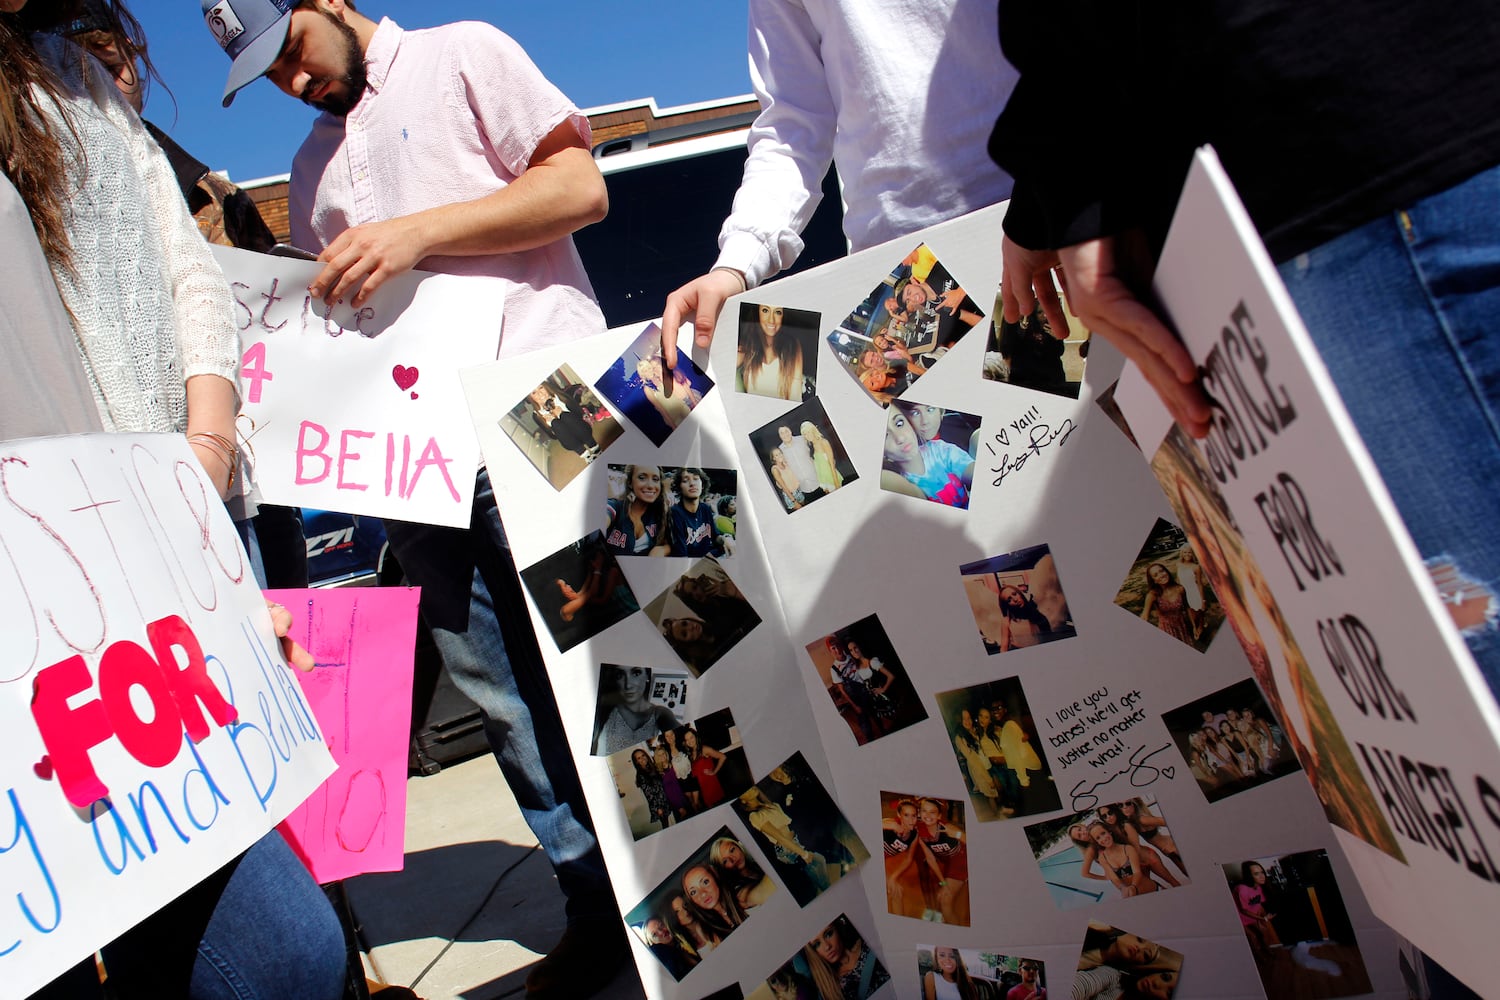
<point>361,640</point>
<point>361,411</point>
<point>1321,583</point>
<point>152,729</point>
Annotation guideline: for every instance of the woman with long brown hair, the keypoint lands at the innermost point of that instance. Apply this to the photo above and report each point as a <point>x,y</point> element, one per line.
<point>156,340</point>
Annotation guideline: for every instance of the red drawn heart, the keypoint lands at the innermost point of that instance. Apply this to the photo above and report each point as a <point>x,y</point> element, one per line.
<point>405,377</point>
<point>413,395</point>
<point>43,768</point>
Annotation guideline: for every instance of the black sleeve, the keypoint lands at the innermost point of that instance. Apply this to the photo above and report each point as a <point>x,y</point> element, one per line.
<point>1098,133</point>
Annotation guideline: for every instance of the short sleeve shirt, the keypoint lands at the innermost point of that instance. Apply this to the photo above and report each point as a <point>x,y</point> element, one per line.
<point>451,114</point>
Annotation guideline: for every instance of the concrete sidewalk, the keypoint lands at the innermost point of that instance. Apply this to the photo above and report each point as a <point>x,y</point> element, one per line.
<point>477,904</point>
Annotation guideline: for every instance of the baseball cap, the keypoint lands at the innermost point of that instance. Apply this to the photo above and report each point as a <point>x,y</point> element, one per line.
<point>251,33</point>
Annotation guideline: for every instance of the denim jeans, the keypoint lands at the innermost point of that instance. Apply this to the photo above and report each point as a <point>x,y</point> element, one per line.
<point>1405,311</point>
<point>257,929</point>
<point>472,601</point>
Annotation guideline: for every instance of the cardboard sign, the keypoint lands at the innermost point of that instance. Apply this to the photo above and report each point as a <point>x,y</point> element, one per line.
<point>361,411</point>
<point>153,731</point>
<point>1326,590</point>
<point>949,675</point>
<point>362,641</point>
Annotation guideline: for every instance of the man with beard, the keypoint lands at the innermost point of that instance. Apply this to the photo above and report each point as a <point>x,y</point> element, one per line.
<point>448,148</point>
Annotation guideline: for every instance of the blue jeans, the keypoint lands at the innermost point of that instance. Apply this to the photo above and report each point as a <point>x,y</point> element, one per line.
<point>472,602</point>
<point>257,929</point>
<point>1405,311</point>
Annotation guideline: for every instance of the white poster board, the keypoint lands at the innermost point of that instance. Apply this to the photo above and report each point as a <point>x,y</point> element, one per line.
<point>1052,472</point>
<point>361,410</point>
<point>1420,722</point>
<point>140,665</point>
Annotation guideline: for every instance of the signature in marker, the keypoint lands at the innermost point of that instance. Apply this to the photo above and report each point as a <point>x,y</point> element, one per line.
<point>1140,770</point>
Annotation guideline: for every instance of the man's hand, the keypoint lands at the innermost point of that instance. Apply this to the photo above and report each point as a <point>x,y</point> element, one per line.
<point>372,253</point>
<point>281,622</point>
<point>701,298</point>
<point>1100,297</point>
<point>1099,294</point>
<point>1027,281</point>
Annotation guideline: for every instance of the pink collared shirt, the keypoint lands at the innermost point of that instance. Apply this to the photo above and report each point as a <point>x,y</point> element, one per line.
<point>451,114</point>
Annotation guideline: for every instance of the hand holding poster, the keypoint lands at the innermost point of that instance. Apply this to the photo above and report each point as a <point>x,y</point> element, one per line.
<point>361,411</point>
<point>153,730</point>
<point>362,641</point>
<point>1322,585</point>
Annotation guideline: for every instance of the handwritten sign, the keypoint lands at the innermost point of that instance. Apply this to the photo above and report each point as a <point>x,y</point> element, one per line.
<point>362,640</point>
<point>362,411</point>
<point>1022,439</point>
<point>1346,634</point>
<point>153,731</point>
<point>1096,730</point>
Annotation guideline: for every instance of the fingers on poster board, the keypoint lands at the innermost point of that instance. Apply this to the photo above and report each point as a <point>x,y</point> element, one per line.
<point>778,351</point>
<point>1297,926</point>
<point>1017,599</point>
<point>1114,851</point>
<point>655,399</point>
<point>1231,740</point>
<point>904,326</point>
<point>1166,587</point>
<point>865,679</point>
<point>802,455</point>
<point>561,426</point>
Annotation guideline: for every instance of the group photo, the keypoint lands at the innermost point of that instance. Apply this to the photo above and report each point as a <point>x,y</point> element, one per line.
<point>994,738</point>
<point>1114,851</point>
<point>681,771</point>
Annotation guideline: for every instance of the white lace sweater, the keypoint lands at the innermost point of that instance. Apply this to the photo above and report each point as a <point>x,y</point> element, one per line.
<point>150,306</point>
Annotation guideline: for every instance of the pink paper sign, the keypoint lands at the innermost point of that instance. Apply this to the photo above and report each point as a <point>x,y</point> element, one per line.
<point>362,640</point>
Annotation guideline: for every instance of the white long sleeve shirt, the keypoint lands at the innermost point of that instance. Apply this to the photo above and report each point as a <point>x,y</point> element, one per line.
<point>900,94</point>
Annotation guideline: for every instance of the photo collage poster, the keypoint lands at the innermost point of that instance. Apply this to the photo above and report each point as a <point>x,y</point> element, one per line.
<point>1057,507</point>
